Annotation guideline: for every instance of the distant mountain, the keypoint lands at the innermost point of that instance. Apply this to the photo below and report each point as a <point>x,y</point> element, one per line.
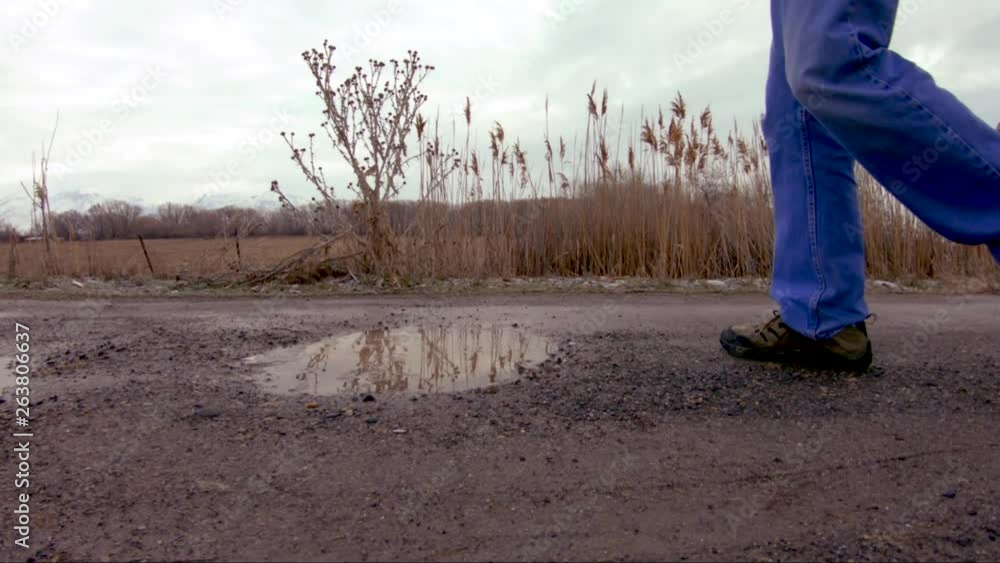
<point>266,200</point>
<point>82,200</point>
<point>17,210</point>
<point>77,200</point>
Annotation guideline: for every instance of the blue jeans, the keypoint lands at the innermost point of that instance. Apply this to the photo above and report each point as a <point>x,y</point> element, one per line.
<point>837,95</point>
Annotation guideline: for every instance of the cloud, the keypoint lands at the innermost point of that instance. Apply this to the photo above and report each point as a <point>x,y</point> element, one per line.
<point>227,71</point>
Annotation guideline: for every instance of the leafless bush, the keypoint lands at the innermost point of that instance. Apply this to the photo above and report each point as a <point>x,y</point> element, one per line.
<point>368,118</point>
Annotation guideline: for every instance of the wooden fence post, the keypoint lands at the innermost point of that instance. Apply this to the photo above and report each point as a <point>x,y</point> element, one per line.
<point>148,261</point>
<point>239,255</point>
<point>12,259</point>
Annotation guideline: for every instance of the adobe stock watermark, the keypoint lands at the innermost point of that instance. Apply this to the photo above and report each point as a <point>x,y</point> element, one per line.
<point>915,167</point>
<point>927,328</point>
<point>712,30</point>
<point>122,108</point>
<point>32,25</point>
<point>248,151</point>
<point>921,506</point>
<point>426,492</point>
<point>364,34</point>
<point>93,308</point>
<point>562,10</point>
<point>913,170</point>
<point>225,7</point>
<point>906,10</point>
<point>795,457</point>
<point>782,129</point>
<point>483,91</point>
<point>615,473</point>
<point>487,86</point>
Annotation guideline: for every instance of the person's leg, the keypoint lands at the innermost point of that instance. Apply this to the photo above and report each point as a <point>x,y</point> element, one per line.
<point>819,263</point>
<point>917,139</point>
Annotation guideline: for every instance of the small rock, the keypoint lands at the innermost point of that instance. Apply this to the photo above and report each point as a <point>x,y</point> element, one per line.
<point>368,398</point>
<point>312,405</point>
<point>211,486</point>
<point>399,431</point>
<point>950,494</point>
<point>716,284</point>
<point>886,285</point>
<point>964,541</point>
<point>207,413</point>
<point>371,420</point>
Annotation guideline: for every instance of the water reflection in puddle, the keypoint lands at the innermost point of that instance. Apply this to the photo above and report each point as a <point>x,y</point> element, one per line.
<point>442,359</point>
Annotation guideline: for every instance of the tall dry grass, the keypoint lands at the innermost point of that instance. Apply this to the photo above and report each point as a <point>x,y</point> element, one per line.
<point>675,200</point>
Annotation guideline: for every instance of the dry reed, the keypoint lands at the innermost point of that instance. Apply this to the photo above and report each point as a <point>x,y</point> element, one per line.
<point>678,201</point>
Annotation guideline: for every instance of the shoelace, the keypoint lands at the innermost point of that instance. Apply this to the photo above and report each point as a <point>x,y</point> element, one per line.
<point>768,327</point>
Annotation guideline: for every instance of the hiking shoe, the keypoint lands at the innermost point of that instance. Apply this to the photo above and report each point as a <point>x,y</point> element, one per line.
<point>774,341</point>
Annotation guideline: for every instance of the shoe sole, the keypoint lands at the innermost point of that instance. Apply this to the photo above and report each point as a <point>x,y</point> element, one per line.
<point>732,343</point>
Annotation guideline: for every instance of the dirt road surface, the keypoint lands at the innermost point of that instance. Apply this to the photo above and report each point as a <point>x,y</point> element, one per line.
<point>638,439</point>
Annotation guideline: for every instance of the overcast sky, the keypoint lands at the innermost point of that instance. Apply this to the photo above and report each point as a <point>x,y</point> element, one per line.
<point>188,88</point>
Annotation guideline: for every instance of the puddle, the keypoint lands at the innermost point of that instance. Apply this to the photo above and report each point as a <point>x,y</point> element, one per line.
<point>444,359</point>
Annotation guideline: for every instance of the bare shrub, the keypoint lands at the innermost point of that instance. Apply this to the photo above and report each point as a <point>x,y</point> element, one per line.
<point>368,118</point>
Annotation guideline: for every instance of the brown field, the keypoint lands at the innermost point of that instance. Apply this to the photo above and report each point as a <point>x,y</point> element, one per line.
<point>187,258</point>
<point>911,254</point>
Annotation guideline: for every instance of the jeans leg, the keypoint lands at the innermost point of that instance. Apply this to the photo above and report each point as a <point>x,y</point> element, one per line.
<point>819,262</point>
<point>917,139</point>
